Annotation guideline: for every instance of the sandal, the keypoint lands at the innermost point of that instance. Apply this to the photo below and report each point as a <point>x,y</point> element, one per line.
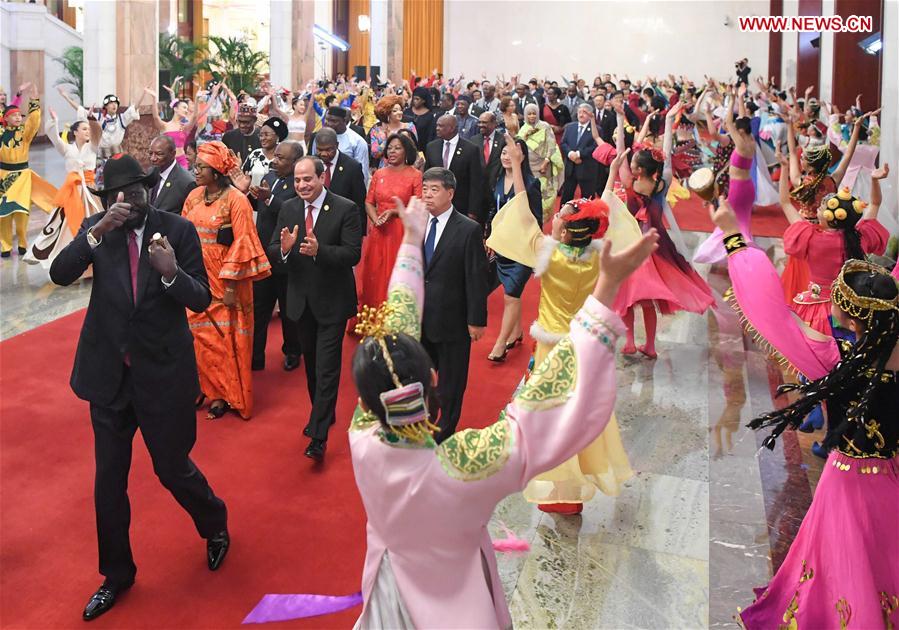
<point>501,358</point>
<point>516,342</point>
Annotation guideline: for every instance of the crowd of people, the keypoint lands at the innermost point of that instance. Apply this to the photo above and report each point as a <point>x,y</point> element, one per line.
<point>390,211</point>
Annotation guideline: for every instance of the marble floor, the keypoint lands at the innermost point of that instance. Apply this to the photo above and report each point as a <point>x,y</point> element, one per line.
<point>704,519</point>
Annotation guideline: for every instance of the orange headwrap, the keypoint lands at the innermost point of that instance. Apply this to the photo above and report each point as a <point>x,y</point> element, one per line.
<point>218,156</point>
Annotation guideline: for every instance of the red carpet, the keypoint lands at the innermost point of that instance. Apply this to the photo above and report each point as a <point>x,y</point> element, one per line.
<point>295,528</point>
<point>693,216</point>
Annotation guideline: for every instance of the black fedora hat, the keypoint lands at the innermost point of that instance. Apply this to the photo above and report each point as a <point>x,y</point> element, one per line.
<point>123,170</point>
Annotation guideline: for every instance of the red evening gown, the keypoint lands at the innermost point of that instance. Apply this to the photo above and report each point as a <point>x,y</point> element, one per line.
<point>382,242</point>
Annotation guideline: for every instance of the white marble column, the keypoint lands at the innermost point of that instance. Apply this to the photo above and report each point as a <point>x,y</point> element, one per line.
<point>281,43</point>
<point>324,17</point>
<point>789,48</point>
<point>99,50</point>
<point>378,48</point>
<point>824,90</point>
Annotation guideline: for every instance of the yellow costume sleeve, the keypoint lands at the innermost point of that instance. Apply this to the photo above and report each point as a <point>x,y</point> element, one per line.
<point>514,232</point>
<point>623,227</point>
<point>33,121</point>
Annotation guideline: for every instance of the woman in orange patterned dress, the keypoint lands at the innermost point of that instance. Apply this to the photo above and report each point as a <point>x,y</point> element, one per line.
<point>234,258</point>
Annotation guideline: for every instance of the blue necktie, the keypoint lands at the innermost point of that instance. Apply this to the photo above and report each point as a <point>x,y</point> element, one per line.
<point>429,241</point>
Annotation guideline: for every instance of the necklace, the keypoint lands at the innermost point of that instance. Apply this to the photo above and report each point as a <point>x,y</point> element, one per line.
<point>215,196</point>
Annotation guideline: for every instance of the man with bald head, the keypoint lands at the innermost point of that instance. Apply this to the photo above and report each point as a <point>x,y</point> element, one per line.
<point>275,188</point>
<point>175,183</point>
<point>465,161</point>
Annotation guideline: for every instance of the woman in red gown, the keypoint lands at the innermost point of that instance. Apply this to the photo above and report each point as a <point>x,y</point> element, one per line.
<point>385,233</point>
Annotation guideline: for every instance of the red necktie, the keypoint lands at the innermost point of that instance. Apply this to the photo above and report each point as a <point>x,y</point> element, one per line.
<point>327,177</point>
<point>309,224</point>
<point>133,261</point>
<point>486,149</point>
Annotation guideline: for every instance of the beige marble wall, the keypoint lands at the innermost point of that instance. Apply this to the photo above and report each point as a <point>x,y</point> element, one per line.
<point>137,45</point>
<point>25,66</point>
<point>303,43</point>
<point>395,40</point>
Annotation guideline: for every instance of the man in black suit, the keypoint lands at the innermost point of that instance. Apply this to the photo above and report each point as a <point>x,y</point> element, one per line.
<point>343,175</point>
<point>321,290</point>
<point>245,139</point>
<point>464,160</point>
<point>174,182</point>
<point>455,311</point>
<point>577,149</point>
<point>522,98</point>
<point>267,198</point>
<point>135,363</point>
<point>490,142</point>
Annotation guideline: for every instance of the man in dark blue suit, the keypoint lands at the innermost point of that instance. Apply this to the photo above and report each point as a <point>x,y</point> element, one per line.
<point>577,148</point>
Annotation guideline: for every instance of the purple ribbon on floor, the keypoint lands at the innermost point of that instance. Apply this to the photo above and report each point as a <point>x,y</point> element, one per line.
<point>273,607</point>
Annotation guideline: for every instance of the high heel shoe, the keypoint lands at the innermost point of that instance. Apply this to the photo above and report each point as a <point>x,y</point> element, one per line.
<point>501,358</point>
<point>200,401</point>
<point>515,342</point>
<point>217,411</point>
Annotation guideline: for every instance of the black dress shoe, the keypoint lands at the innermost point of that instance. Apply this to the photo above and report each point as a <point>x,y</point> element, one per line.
<point>316,450</point>
<point>217,549</point>
<point>6,254</point>
<point>102,600</point>
<point>291,362</point>
<point>22,251</point>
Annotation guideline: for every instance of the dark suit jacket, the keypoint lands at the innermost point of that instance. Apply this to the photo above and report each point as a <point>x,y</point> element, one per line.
<point>349,182</point>
<point>325,283</point>
<point>588,167</point>
<point>456,282</point>
<point>607,120</point>
<point>468,167</point>
<point>175,190</point>
<point>493,166</point>
<point>528,98</point>
<point>267,215</point>
<point>154,333</point>
<point>241,145</point>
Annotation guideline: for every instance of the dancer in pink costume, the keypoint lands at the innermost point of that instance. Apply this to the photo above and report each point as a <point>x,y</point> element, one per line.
<point>430,562</point>
<point>841,570</point>
<point>741,191</point>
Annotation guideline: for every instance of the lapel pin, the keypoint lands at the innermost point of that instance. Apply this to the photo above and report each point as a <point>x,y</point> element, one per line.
<point>458,151</point>
<point>327,207</point>
<point>284,187</point>
<point>339,168</point>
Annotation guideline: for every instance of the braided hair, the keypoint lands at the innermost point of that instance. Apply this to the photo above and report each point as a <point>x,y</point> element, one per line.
<point>860,368</point>
<point>818,158</point>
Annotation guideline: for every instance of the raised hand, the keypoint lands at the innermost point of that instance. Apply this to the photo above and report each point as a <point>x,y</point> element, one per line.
<point>262,192</point>
<point>414,217</point>
<point>53,114</point>
<point>162,258</point>
<point>512,149</point>
<point>619,160</point>
<point>114,218</point>
<point>289,238</point>
<point>309,246</point>
<point>881,172</point>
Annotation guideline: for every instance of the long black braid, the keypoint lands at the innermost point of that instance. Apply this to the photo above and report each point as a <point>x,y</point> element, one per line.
<point>859,371</point>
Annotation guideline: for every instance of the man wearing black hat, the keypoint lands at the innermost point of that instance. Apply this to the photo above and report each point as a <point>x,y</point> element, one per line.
<point>245,139</point>
<point>135,363</point>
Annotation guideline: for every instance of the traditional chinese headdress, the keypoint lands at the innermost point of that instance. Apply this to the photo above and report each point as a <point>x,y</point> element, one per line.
<point>857,306</point>
<point>585,209</point>
<point>405,407</point>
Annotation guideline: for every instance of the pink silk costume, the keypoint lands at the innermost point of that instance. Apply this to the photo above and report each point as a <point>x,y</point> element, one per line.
<point>180,139</point>
<point>428,507</point>
<point>823,251</point>
<point>741,197</point>
<point>841,570</point>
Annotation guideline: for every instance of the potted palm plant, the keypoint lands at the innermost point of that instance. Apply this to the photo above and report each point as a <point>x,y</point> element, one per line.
<point>236,63</point>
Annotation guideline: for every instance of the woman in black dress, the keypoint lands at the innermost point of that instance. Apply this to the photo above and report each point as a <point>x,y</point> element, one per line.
<point>515,177</point>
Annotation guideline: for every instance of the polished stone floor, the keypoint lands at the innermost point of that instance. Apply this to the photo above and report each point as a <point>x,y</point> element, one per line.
<point>706,517</point>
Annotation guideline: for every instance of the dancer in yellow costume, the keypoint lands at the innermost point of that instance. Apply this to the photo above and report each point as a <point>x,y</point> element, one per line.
<point>19,185</point>
<point>567,263</point>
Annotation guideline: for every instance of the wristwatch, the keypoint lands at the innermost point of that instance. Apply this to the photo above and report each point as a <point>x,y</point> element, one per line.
<point>91,239</point>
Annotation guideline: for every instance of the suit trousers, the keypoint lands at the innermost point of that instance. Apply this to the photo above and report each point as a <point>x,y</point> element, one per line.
<point>170,435</point>
<point>450,359</point>
<point>266,293</point>
<point>322,347</point>
<point>588,187</point>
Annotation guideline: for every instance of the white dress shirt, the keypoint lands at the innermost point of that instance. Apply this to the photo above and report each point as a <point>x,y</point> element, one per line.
<point>453,142</point>
<point>163,176</point>
<point>442,220</point>
<point>317,208</point>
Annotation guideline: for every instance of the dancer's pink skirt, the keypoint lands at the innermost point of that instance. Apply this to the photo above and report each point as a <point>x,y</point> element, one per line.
<point>664,283</point>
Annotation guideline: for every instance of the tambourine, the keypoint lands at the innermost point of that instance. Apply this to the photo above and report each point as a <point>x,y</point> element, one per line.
<point>702,182</point>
